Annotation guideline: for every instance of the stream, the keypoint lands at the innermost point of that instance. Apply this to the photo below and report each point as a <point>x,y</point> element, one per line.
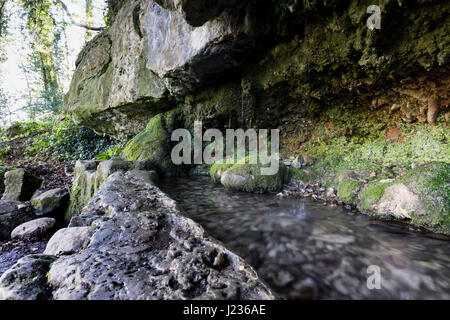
<point>305,250</point>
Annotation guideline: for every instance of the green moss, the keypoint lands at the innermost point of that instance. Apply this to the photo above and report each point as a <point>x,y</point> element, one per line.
<point>146,143</point>
<point>218,167</point>
<point>348,190</point>
<point>83,189</point>
<point>254,181</point>
<point>373,194</point>
<point>302,175</point>
<point>431,183</point>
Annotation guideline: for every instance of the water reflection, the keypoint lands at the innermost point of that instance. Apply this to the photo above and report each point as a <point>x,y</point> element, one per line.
<point>305,250</point>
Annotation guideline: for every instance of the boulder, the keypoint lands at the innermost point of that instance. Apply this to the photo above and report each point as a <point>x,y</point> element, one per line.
<point>12,214</point>
<point>50,202</point>
<point>249,177</point>
<point>20,185</point>
<point>27,279</point>
<point>420,197</point>
<point>34,230</point>
<point>154,146</point>
<point>68,240</point>
<point>89,175</point>
<point>136,245</point>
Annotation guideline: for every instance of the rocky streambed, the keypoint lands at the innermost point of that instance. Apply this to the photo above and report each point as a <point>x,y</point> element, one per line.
<point>304,249</point>
<point>129,241</point>
<point>131,236</point>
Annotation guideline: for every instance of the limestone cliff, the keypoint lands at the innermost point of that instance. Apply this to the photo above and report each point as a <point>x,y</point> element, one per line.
<point>292,57</point>
<point>353,98</point>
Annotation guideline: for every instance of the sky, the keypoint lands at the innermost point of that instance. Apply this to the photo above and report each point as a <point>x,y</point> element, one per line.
<point>13,79</point>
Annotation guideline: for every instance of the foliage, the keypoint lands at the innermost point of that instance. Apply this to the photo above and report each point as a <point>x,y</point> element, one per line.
<point>112,152</point>
<point>67,141</point>
<point>27,128</point>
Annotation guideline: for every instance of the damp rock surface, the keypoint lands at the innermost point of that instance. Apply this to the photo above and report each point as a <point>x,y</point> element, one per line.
<point>139,246</point>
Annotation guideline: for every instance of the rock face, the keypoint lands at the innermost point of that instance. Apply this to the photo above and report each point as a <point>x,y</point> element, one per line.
<point>12,214</point>
<point>20,185</point>
<point>197,12</point>
<point>34,229</point>
<point>135,245</point>
<point>154,146</point>
<point>261,61</point>
<point>121,72</point>
<point>50,202</point>
<point>2,179</point>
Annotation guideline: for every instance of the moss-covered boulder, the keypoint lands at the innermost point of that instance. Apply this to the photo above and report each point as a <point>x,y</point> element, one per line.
<point>154,146</point>
<point>249,177</point>
<point>421,197</point>
<point>20,185</point>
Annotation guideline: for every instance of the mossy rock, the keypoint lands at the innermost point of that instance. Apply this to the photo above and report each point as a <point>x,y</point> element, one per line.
<point>348,190</point>
<point>248,177</point>
<point>154,144</point>
<point>421,197</point>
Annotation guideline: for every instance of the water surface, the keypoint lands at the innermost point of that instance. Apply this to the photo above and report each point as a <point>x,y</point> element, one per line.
<point>305,250</point>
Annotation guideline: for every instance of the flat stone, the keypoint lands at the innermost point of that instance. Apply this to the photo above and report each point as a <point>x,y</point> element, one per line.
<point>69,240</point>
<point>34,229</point>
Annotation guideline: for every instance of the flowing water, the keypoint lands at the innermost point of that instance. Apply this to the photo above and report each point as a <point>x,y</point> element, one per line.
<point>305,250</point>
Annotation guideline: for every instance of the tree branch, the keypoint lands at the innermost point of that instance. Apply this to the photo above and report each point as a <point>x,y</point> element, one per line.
<point>63,5</point>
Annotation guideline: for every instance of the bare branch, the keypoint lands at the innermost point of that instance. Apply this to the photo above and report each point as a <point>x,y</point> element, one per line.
<point>63,5</point>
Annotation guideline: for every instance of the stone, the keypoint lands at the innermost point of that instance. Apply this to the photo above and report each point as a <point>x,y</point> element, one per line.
<point>307,160</point>
<point>12,214</point>
<point>154,146</point>
<point>69,240</point>
<point>249,177</point>
<point>3,170</point>
<point>27,279</point>
<point>50,202</point>
<point>89,175</point>
<point>34,230</point>
<point>137,246</point>
<point>418,197</point>
<point>331,192</point>
<point>20,185</point>
<point>13,130</point>
<point>398,201</point>
<point>297,162</point>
